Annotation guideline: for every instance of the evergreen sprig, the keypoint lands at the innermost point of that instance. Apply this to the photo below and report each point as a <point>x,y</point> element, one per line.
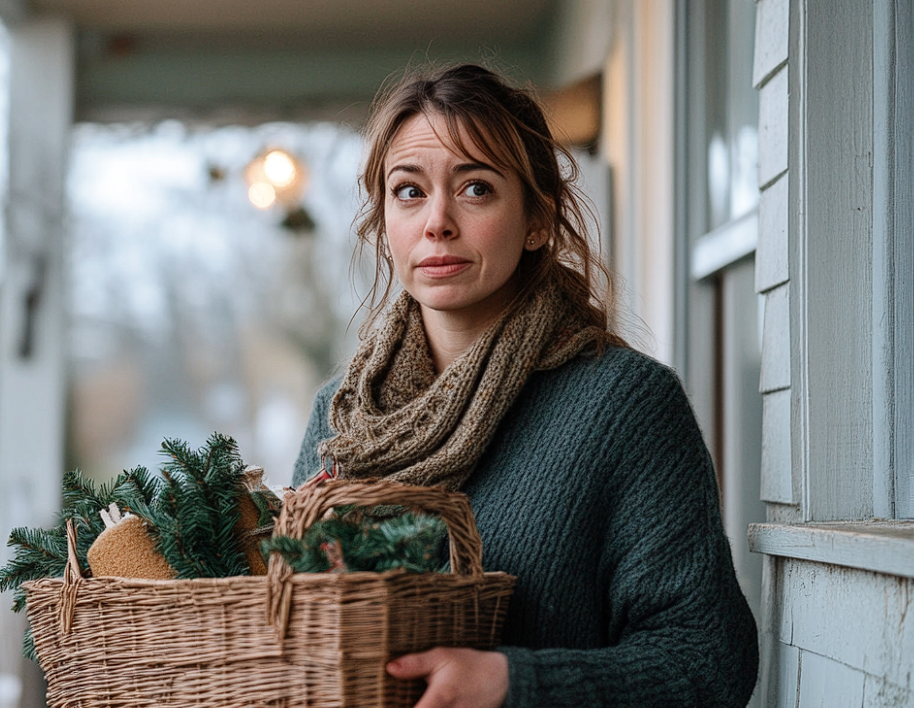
<point>192,511</point>
<point>411,542</point>
<point>198,510</point>
<point>42,553</point>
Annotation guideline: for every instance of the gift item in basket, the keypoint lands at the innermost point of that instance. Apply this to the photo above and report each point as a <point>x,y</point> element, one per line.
<point>314,640</point>
<point>126,549</point>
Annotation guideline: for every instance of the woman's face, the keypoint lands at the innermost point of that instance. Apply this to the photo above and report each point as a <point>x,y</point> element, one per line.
<point>455,224</point>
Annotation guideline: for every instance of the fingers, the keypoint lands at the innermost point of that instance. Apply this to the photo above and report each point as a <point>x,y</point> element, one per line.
<point>456,678</point>
<point>411,666</point>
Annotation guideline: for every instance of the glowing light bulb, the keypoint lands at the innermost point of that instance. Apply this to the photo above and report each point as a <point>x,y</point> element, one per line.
<point>262,195</point>
<point>279,168</point>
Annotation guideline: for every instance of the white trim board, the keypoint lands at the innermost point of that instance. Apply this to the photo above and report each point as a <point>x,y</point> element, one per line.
<point>879,546</point>
<point>724,245</point>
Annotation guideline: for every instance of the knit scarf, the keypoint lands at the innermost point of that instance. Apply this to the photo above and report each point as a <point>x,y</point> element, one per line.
<point>396,418</point>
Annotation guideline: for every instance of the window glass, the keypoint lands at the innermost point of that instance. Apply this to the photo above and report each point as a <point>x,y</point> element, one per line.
<point>723,113</point>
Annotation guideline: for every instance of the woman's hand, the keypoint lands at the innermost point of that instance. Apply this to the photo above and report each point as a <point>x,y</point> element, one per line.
<point>456,678</point>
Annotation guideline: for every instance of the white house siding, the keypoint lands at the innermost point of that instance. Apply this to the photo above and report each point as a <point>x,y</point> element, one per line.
<point>832,636</point>
<point>771,259</point>
<point>844,637</point>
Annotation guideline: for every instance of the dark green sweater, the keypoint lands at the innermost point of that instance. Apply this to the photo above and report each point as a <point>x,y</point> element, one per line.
<point>598,493</point>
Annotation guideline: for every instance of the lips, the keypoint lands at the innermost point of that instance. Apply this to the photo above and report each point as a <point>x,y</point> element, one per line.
<point>442,265</point>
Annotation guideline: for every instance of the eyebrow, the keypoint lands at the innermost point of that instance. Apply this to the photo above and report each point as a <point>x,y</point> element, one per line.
<point>462,167</point>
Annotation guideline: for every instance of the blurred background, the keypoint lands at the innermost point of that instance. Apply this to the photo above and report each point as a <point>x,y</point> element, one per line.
<point>179,186</point>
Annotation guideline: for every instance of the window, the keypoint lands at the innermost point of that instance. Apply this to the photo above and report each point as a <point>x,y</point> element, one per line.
<point>893,260</point>
<point>719,338</point>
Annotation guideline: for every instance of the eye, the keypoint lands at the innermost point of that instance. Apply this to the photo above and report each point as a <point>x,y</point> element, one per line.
<point>477,189</point>
<point>407,191</point>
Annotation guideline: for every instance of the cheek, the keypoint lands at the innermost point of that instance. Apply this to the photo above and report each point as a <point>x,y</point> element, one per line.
<point>510,242</point>
<point>398,250</point>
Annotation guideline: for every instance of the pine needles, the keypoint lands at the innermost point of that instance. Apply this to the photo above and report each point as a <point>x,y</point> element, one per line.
<point>353,539</point>
<point>198,509</point>
<point>42,553</point>
<point>191,512</point>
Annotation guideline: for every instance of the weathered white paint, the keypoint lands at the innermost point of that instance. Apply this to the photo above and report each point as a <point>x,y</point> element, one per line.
<point>828,684</point>
<point>860,619</point>
<point>903,205</point>
<point>780,483</point>
<point>831,313</point>
<point>777,470</point>
<point>772,129</point>
<point>878,546</point>
<point>879,693</point>
<point>771,258</point>
<point>785,693</point>
<point>776,340</point>
<point>836,596</point>
<point>893,260</point>
<point>804,679</point>
<point>771,23</point>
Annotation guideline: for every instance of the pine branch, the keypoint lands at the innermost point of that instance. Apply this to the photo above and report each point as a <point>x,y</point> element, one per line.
<point>200,508</point>
<point>410,542</point>
<point>192,512</point>
<point>135,492</point>
<point>28,645</point>
<point>303,556</point>
<point>41,554</point>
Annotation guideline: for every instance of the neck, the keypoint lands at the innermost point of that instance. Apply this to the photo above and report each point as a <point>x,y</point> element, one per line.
<point>450,336</point>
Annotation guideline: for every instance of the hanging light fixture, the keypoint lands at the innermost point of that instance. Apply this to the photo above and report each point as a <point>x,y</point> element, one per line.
<point>275,176</point>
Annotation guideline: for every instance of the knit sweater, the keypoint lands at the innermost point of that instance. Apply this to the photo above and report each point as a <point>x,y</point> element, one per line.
<point>598,493</point>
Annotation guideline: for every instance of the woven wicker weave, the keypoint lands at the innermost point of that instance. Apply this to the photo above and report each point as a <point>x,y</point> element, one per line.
<point>311,640</point>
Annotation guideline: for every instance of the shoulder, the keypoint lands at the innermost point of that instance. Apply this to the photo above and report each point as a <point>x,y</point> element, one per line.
<point>318,429</point>
<point>326,392</point>
<point>319,423</point>
<point>619,373</point>
<point>622,399</point>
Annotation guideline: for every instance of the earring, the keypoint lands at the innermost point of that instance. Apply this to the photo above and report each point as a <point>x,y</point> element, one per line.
<point>531,241</point>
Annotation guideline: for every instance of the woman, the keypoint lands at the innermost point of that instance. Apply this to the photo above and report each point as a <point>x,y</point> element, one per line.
<point>495,372</point>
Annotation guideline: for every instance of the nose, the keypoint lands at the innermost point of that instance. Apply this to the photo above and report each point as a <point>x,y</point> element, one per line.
<point>440,223</point>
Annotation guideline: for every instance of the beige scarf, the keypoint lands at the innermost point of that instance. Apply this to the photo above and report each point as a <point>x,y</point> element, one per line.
<point>396,418</point>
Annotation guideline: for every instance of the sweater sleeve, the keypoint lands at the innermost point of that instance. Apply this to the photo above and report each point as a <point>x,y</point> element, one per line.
<point>681,633</point>
<point>318,429</point>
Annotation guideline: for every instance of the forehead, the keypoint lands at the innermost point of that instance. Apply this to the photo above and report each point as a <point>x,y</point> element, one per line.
<point>430,131</point>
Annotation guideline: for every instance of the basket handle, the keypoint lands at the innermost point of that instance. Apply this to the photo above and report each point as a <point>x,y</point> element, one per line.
<point>302,508</point>
<point>72,577</point>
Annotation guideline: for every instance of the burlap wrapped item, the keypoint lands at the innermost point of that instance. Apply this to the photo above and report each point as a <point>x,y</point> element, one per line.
<point>257,508</point>
<point>126,550</point>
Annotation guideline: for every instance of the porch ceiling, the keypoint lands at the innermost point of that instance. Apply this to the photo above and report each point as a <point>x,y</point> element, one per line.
<point>311,22</point>
<point>282,58</point>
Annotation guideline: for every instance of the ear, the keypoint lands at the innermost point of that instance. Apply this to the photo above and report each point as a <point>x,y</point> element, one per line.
<point>536,239</point>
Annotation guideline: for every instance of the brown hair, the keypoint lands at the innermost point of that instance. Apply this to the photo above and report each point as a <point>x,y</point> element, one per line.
<point>509,126</point>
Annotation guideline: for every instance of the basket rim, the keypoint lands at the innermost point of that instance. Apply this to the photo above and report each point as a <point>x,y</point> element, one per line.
<point>349,577</point>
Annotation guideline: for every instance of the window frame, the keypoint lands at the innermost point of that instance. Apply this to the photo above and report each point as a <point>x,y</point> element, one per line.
<point>893,260</point>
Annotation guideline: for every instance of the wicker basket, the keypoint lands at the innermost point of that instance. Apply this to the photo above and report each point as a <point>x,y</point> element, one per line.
<point>302,639</point>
